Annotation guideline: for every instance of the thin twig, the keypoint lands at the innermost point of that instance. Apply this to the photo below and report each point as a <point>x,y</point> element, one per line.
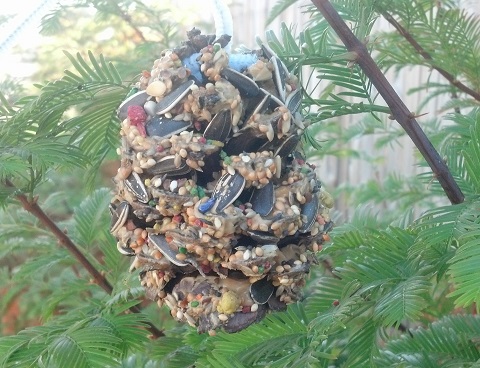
<point>128,19</point>
<point>412,41</point>
<point>31,206</point>
<point>399,110</point>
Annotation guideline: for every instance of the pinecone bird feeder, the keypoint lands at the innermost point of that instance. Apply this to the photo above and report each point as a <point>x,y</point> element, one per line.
<point>214,199</point>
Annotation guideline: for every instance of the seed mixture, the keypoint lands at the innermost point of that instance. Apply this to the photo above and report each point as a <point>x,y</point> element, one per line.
<point>214,199</point>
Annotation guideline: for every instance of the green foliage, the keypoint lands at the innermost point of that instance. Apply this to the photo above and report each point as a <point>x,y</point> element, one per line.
<point>446,33</point>
<point>449,342</point>
<point>393,289</point>
<point>40,136</point>
<point>96,340</point>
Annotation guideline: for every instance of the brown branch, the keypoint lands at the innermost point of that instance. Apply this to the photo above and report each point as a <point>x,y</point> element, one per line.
<point>411,40</point>
<point>32,207</point>
<point>128,19</point>
<point>399,110</point>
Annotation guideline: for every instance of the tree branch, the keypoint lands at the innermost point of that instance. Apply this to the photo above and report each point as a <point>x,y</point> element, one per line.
<point>411,40</point>
<point>399,110</point>
<point>32,207</point>
<point>128,19</point>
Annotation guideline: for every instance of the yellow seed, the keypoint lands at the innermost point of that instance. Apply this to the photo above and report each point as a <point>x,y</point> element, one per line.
<point>181,256</point>
<point>156,88</point>
<point>229,303</point>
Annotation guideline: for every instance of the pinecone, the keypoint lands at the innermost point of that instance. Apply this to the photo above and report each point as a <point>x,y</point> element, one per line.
<point>214,198</point>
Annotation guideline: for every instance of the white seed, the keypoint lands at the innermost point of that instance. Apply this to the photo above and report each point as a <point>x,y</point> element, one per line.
<point>179,314</point>
<point>254,307</point>
<point>222,317</point>
<point>151,162</point>
<point>295,210</point>
<point>280,290</point>
<point>169,304</point>
<point>247,254</point>
<point>303,258</point>
<point>149,107</point>
<point>270,133</point>
<point>278,166</point>
<point>171,299</point>
<point>177,161</point>
<point>190,320</point>
<point>286,123</point>
<point>230,170</point>
<point>173,185</point>
<point>245,158</point>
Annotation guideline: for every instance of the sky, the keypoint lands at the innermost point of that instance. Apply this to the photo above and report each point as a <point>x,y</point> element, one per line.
<point>26,21</point>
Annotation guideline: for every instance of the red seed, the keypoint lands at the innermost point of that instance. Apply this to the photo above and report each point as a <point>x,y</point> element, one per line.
<point>206,268</point>
<point>202,140</point>
<point>137,116</point>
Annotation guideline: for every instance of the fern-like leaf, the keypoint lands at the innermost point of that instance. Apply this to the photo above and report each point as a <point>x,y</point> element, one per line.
<point>91,217</point>
<point>472,157</point>
<point>464,264</point>
<point>450,342</point>
<point>278,335</point>
<point>277,9</point>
